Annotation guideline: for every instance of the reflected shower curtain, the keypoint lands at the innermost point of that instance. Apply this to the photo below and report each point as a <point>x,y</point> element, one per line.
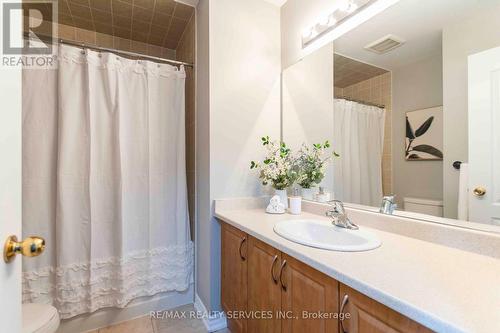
<point>359,139</point>
<point>104,181</point>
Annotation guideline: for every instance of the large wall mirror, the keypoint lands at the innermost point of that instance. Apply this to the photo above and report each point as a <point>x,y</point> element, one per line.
<point>410,100</point>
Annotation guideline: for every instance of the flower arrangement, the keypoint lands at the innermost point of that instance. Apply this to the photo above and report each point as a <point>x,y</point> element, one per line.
<point>311,164</point>
<point>277,169</point>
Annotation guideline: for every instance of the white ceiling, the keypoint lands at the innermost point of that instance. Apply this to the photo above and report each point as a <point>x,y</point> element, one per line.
<point>419,22</point>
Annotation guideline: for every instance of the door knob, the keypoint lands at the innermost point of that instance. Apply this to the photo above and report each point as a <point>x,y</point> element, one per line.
<point>479,191</point>
<point>30,247</point>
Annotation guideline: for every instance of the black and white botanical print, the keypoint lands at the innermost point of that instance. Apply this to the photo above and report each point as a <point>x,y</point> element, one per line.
<point>424,134</point>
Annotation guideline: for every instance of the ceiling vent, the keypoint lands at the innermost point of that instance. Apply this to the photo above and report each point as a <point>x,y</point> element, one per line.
<point>385,44</point>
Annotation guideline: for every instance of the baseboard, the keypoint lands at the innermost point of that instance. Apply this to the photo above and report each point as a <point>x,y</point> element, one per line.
<point>137,308</point>
<point>212,321</point>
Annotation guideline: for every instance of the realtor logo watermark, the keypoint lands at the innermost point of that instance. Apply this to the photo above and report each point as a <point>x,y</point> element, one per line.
<point>28,26</point>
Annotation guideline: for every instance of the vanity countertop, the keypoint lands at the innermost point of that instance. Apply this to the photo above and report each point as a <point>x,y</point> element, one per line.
<point>443,288</point>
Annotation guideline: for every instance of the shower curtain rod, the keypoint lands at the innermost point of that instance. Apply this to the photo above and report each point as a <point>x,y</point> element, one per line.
<point>364,103</point>
<point>105,49</point>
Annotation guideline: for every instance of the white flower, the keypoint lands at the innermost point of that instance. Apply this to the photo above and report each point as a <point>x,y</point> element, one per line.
<point>276,168</point>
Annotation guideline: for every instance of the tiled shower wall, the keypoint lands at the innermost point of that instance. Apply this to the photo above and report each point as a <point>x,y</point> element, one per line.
<point>376,90</point>
<point>90,37</point>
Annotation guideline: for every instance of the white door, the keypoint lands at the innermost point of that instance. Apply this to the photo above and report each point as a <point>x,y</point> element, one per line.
<point>484,136</point>
<point>10,192</point>
<point>10,196</point>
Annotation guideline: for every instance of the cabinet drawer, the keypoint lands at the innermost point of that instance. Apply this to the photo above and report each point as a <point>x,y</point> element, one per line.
<point>369,316</point>
<point>234,275</point>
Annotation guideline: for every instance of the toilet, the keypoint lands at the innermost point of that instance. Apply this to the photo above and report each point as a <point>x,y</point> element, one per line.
<point>40,318</point>
<point>424,206</point>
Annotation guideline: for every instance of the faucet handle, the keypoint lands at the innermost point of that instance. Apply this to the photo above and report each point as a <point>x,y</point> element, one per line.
<point>388,205</point>
<point>389,198</point>
<point>338,206</point>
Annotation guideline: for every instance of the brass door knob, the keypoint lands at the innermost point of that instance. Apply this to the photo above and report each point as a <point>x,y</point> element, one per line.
<point>30,247</point>
<point>479,191</point>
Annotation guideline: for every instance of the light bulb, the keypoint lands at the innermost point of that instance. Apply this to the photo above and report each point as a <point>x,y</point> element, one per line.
<point>348,6</point>
<point>352,7</point>
<point>344,5</point>
<point>323,20</point>
<point>331,20</point>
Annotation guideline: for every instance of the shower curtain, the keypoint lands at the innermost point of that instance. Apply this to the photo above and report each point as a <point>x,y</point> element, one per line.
<point>359,139</point>
<point>104,181</point>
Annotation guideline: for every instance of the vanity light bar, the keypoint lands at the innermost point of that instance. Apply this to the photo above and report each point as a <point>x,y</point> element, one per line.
<point>345,10</point>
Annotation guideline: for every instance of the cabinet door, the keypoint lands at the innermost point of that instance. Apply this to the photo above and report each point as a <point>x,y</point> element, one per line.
<point>310,297</point>
<point>234,275</point>
<point>369,316</point>
<point>264,291</point>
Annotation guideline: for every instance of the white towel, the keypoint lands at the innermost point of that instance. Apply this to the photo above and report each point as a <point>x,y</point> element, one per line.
<point>463,193</point>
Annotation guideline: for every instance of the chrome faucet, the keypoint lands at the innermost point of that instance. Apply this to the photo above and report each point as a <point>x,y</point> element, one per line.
<point>388,205</point>
<point>339,216</point>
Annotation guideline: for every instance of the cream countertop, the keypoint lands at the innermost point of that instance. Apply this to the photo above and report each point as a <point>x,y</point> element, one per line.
<point>443,288</point>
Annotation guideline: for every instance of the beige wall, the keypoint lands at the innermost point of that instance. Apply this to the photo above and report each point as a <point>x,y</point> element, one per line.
<point>376,90</point>
<point>470,36</point>
<point>205,227</point>
<point>238,98</point>
<point>308,103</point>
<point>416,86</point>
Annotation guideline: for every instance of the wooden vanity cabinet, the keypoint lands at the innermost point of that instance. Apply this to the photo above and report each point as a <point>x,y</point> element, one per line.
<point>308,294</point>
<point>264,290</point>
<point>369,316</point>
<point>273,290</point>
<point>234,263</point>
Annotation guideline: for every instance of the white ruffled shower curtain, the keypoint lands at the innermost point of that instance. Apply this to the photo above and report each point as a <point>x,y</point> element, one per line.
<point>104,181</point>
<point>359,139</point>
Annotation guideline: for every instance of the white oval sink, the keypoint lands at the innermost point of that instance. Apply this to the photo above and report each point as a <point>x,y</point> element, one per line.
<point>324,235</point>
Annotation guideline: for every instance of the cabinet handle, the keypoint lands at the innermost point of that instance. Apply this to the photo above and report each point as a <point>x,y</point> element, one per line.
<point>283,286</point>
<point>243,240</point>
<point>342,306</point>
<point>275,280</point>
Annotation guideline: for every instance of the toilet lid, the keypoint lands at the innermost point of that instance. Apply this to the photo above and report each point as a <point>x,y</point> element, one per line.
<point>39,318</point>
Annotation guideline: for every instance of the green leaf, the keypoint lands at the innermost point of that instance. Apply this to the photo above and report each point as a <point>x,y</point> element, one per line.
<point>409,131</point>
<point>267,161</point>
<point>424,127</point>
<point>413,157</point>
<point>429,150</point>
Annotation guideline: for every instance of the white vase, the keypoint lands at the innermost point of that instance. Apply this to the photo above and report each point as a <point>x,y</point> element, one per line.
<point>308,193</point>
<point>283,197</point>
